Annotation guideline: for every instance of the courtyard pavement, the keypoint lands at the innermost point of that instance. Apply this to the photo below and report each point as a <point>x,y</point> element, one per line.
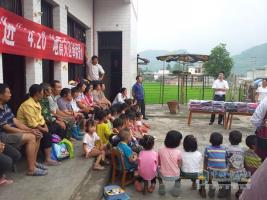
<point>162,121</point>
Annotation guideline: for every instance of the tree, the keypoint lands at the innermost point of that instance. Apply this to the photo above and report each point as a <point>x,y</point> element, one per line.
<point>168,67</point>
<point>219,60</point>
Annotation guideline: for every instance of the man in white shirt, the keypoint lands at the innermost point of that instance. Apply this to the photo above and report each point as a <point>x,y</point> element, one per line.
<point>220,87</point>
<point>95,70</point>
<point>261,92</point>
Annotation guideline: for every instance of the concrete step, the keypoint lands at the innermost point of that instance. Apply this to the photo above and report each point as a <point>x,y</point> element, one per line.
<point>67,181</point>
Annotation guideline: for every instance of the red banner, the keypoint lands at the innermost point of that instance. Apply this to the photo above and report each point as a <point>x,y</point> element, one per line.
<point>21,36</point>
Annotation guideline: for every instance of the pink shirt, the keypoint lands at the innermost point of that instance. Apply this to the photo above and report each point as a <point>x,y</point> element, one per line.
<point>148,164</point>
<point>169,161</point>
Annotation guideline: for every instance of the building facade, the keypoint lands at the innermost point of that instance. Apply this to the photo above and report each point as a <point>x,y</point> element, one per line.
<point>107,28</point>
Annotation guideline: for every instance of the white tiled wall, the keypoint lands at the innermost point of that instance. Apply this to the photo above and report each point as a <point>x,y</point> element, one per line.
<point>117,15</point>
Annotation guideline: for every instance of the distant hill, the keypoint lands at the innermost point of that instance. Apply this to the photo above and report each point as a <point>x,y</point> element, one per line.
<point>254,57</point>
<point>154,64</point>
<point>250,58</point>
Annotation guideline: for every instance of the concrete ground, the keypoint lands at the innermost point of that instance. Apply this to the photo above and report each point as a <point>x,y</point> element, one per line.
<point>74,179</point>
<point>161,122</point>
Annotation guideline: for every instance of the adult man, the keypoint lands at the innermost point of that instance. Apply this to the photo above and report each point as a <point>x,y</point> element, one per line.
<point>30,114</point>
<point>220,87</point>
<point>95,70</point>
<point>261,92</point>
<point>17,134</point>
<point>138,94</point>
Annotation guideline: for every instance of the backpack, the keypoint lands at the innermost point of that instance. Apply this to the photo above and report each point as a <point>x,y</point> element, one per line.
<point>69,147</point>
<point>60,151</point>
<point>114,192</point>
<point>75,132</point>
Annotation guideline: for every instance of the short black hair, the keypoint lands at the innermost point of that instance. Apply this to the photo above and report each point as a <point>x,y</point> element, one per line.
<point>251,140</point>
<point>147,142</point>
<point>173,139</point>
<point>129,102</point>
<point>138,114</point>
<point>74,90</point>
<point>113,110</point>
<point>90,123</point>
<point>87,89</point>
<point>45,86</point>
<point>3,88</point>
<point>137,77</point>
<point>235,137</point>
<point>80,85</point>
<point>122,107</point>
<point>123,90</point>
<point>94,57</point>
<point>131,116</point>
<point>64,92</point>
<point>53,83</point>
<point>107,111</point>
<point>190,143</point>
<point>96,84</point>
<point>100,115</point>
<point>216,139</point>
<point>34,89</point>
<point>118,122</point>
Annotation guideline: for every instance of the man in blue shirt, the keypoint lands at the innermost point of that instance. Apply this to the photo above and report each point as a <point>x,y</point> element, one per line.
<point>138,94</point>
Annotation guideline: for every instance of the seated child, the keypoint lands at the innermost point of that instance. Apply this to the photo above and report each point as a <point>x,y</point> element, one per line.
<point>191,160</point>
<point>136,133</point>
<point>102,128</point>
<point>141,125</point>
<point>114,138</point>
<point>170,161</point>
<point>90,149</point>
<point>147,164</point>
<point>215,163</point>
<point>130,157</point>
<point>108,119</point>
<point>235,160</point>
<point>252,160</point>
<point>114,113</point>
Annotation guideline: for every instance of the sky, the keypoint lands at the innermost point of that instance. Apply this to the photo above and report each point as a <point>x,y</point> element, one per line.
<point>200,25</point>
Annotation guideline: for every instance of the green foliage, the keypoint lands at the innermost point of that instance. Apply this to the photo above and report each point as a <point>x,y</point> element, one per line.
<point>219,60</point>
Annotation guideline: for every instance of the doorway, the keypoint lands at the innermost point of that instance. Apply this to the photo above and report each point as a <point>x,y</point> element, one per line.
<point>110,57</point>
<point>15,76</point>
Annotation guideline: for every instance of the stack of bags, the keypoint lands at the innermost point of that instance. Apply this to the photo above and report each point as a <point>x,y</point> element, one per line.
<point>230,107</point>
<point>242,107</point>
<point>252,107</point>
<point>200,105</point>
<point>218,106</point>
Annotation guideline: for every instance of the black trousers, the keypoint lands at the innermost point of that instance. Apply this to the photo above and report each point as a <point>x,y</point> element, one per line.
<point>7,158</point>
<point>141,104</point>
<point>220,119</point>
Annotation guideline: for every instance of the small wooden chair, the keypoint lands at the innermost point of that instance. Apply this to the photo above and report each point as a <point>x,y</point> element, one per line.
<point>118,165</point>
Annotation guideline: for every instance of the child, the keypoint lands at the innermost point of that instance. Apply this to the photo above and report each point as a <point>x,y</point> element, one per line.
<point>170,160</point>
<point>141,125</point>
<point>90,150</point>
<point>114,113</point>
<point>102,128</point>
<point>252,160</point>
<point>114,138</point>
<point>148,163</point>
<point>215,163</point>
<point>136,133</point>
<point>130,157</point>
<point>191,159</point>
<point>235,160</point>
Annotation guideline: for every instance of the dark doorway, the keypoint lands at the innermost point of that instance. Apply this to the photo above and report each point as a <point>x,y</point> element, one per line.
<point>15,77</point>
<point>77,31</point>
<point>110,57</point>
<point>14,6</point>
<point>47,20</point>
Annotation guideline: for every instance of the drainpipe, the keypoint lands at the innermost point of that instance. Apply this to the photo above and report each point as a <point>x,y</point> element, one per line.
<point>93,27</point>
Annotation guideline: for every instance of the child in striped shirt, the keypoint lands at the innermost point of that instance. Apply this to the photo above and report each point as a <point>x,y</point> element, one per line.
<point>215,163</point>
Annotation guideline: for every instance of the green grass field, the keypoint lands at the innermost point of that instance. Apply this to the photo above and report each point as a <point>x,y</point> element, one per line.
<point>152,93</point>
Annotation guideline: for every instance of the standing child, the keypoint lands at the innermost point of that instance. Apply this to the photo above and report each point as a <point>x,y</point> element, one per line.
<point>235,160</point>
<point>252,160</point>
<point>147,163</point>
<point>170,161</point>
<point>89,145</point>
<point>215,163</point>
<point>191,160</point>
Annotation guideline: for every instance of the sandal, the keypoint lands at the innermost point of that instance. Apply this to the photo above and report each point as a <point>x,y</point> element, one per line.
<point>100,168</point>
<point>40,166</point>
<point>38,172</point>
<point>52,163</point>
<point>151,188</point>
<point>4,181</point>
